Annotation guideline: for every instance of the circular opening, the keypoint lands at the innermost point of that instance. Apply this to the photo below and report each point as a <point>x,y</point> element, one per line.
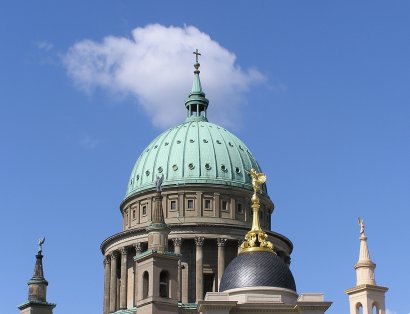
<point>237,170</point>
<point>230,144</point>
<point>138,177</point>
<point>147,173</point>
<point>223,168</point>
<point>156,146</point>
<point>175,167</point>
<point>205,141</point>
<point>191,140</point>
<point>160,169</point>
<point>207,166</point>
<point>166,143</point>
<point>178,142</point>
<point>240,147</point>
<point>191,166</point>
<point>131,182</point>
<point>147,150</point>
<point>218,141</point>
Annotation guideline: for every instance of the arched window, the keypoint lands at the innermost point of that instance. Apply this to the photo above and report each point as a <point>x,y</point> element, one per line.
<point>375,308</point>
<point>164,284</point>
<point>145,284</point>
<point>359,308</point>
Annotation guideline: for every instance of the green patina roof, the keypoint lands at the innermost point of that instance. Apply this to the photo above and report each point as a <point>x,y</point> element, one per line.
<point>194,152</point>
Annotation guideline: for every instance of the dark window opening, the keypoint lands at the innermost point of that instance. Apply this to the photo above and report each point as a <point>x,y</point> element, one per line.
<point>239,208</point>
<point>163,284</point>
<point>145,284</point>
<point>173,205</point>
<point>144,210</point>
<point>190,203</point>
<point>208,283</point>
<point>224,205</point>
<point>208,204</point>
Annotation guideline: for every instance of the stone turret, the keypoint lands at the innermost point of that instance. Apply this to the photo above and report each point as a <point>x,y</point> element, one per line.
<point>157,293</point>
<point>366,295</point>
<point>37,290</point>
<point>158,231</point>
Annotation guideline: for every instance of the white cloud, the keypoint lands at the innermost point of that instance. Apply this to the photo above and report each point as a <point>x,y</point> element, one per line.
<point>155,66</point>
<point>390,312</point>
<point>44,45</point>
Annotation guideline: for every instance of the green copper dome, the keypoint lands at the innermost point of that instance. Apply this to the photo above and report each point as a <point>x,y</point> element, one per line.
<point>194,152</point>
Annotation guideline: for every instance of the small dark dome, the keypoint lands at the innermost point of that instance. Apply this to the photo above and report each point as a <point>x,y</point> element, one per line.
<point>251,269</point>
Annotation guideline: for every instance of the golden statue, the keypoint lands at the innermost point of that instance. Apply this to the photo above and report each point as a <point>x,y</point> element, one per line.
<point>258,179</point>
<point>256,239</point>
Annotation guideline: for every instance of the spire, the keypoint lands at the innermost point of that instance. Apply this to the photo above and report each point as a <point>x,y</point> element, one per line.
<point>256,238</point>
<point>37,285</point>
<point>364,266</point>
<point>196,103</point>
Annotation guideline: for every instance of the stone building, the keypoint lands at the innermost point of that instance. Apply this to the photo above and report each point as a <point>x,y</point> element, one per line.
<point>196,233</point>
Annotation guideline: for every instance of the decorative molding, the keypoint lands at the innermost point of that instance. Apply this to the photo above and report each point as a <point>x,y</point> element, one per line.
<point>124,251</point>
<point>199,241</point>
<point>114,255</point>
<point>138,247</point>
<point>107,260</point>
<point>177,241</point>
<point>221,241</point>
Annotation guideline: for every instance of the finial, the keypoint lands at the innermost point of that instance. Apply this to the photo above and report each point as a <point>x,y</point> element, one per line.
<point>196,65</point>
<point>361,224</point>
<point>256,239</point>
<point>158,182</point>
<point>40,244</point>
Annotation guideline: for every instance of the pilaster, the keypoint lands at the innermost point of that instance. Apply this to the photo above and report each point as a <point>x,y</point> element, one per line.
<point>199,241</point>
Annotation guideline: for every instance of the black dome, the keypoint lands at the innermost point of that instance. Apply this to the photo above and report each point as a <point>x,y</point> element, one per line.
<point>251,269</point>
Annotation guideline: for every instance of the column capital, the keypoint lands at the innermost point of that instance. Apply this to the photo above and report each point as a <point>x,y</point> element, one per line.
<point>199,241</point>
<point>177,241</point>
<point>221,241</point>
<point>107,259</point>
<point>138,247</point>
<point>124,250</point>
<point>114,255</point>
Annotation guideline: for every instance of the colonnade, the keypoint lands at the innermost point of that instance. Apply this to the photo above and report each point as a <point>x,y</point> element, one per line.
<point>115,300</point>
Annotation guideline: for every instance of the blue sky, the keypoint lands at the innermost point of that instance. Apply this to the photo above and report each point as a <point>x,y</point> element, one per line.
<point>318,90</point>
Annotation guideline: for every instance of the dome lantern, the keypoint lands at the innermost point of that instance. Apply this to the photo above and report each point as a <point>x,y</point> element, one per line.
<point>196,103</point>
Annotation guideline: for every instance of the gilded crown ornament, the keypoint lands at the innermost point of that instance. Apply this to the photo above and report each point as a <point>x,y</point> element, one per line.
<point>256,239</point>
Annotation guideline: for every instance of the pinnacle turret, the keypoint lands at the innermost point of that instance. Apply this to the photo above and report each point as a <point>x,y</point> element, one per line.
<point>37,287</point>
<point>364,266</point>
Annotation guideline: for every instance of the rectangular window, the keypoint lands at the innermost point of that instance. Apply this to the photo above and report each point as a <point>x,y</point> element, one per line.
<point>224,205</point>
<point>173,205</point>
<point>190,204</point>
<point>207,204</point>
<point>133,214</point>
<point>144,210</point>
<point>239,208</point>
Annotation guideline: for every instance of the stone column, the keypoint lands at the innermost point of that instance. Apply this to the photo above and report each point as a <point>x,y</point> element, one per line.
<point>221,259</point>
<point>113,281</point>
<point>123,287</point>
<point>177,250</point>
<point>199,241</point>
<point>138,250</point>
<point>107,265</point>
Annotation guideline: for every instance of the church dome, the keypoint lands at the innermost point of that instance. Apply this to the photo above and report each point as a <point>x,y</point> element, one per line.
<point>254,269</point>
<point>194,152</point>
